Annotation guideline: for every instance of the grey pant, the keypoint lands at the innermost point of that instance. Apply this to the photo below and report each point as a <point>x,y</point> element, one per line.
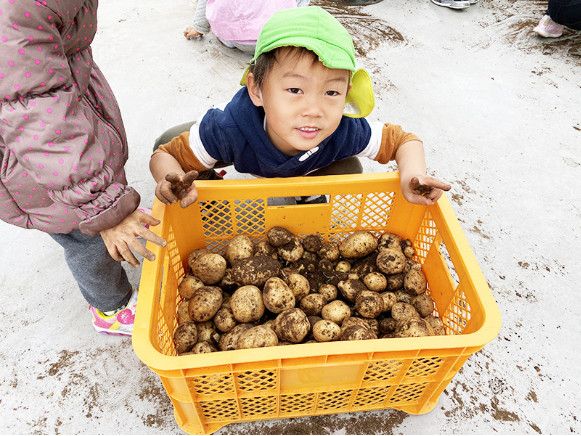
<point>101,279</point>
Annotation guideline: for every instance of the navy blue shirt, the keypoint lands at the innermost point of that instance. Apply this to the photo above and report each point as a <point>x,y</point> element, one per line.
<point>236,135</point>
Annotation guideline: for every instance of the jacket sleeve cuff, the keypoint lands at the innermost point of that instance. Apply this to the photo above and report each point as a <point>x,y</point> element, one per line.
<point>109,218</point>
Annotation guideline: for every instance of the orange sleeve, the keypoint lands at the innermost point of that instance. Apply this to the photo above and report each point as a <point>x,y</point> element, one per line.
<point>179,147</point>
<point>392,137</point>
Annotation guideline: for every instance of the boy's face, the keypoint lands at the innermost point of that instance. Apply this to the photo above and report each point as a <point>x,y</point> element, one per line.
<point>303,101</point>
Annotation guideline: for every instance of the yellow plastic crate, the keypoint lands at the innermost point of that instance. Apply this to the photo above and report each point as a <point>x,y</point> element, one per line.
<point>209,391</point>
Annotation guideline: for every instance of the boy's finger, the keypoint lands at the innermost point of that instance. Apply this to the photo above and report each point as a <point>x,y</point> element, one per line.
<point>189,177</point>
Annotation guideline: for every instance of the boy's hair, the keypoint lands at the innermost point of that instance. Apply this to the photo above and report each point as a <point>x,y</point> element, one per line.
<point>264,63</point>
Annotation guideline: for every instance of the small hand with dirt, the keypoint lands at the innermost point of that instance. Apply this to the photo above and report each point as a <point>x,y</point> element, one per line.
<point>190,33</point>
<point>178,187</point>
<point>425,190</point>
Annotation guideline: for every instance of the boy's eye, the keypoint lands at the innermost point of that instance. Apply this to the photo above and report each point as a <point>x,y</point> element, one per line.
<point>294,90</point>
<point>332,93</point>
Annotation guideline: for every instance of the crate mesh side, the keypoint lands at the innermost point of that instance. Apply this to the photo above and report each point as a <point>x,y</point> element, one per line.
<point>334,400</point>
<point>220,410</point>
<point>259,406</point>
<point>409,393</point>
<point>212,384</point>
<point>458,313</point>
<point>382,370</point>
<point>425,237</point>
<point>425,367</point>
<point>368,398</point>
<point>297,403</point>
<point>261,380</point>
<point>377,210</point>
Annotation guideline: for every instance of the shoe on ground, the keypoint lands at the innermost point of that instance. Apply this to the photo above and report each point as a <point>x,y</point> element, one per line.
<point>548,28</point>
<point>454,4</point>
<point>120,323</point>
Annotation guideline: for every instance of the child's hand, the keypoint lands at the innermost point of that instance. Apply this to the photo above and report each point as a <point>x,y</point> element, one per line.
<point>178,187</point>
<point>424,190</point>
<point>190,33</point>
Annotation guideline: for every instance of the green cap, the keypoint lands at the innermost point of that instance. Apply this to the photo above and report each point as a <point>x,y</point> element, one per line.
<point>317,30</point>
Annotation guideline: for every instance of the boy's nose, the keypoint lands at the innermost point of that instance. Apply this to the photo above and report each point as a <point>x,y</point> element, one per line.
<point>313,107</point>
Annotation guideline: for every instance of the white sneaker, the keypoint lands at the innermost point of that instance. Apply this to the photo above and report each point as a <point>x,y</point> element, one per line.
<point>454,4</point>
<point>548,28</point>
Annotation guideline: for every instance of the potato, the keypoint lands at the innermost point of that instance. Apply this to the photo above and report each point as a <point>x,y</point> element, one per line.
<point>292,251</point>
<point>207,332</point>
<point>343,266</point>
<point>358,244</point>
<point>255,270</point>
<point>373,325</point>
<point>328,291</point>
<point>277,296</point>
<point>312,304</point>
<point>229,340</point>
<point>415,281</point>
<point>310,257</point>
<point>407,248</point>
<point>210,268</point>
<point>357,332</point>
<point>257,337</point>
<point>401,311</point>
<point>326,331</point>
<point>299,285</point>
<point>188,285</point>
<point>279,236</point>
<point>375,281</point>
<point>292,325</point>
<point>203,347</point>
<point>387,325</point>
<point>412,328</point>
<point>246,303</point>
<point>423,304</point>
<point>336,311</point>
<point>205,303</point>
<point>326,265</point>
<point>239,247</point>
<point>227,283</point>
<point>182,312</point>
<point>185,337</point>
<point>369,304</point>
<point>389,241</point>
<point>389,299</point>
<point>391,261</point>
<point>195,254</point>
<point>437,325</point>
<point>350,288</point>
<point>312,243</point>
<point>365,265</point>
<point>224,320</point>
<point>394,281</point>
<point>330,251</point>
<point>263,248</point>
<point>404,296</point>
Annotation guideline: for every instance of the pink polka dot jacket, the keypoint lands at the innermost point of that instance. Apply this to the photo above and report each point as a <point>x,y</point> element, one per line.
<point>62,142</point>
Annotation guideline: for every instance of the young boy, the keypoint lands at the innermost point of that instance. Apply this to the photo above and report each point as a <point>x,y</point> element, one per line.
<point>301,112</point>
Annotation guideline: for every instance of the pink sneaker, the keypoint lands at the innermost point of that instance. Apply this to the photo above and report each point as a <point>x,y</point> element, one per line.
<point>120,323</point>
<point>548,28</point>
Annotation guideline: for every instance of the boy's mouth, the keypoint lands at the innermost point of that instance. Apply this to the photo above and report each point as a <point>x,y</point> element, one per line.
<point>308,132</point>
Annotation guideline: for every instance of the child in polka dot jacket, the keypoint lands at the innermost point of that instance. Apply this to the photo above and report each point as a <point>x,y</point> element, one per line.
<point>63,149</point>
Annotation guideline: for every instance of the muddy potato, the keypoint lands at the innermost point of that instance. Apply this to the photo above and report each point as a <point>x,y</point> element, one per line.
<point>328,291</point>
<point>358,244</point>
<point>437,325</point>
<point>329,251</point>
<point>373,325</point>
<point>369,304</point>
<point>229,340</point>
<point>205,303</point>
<point>389,299</point>
<point>326,331</point>
<point>292,251</point>
<point>357,333</point>
<point>326,265</point>
<point>286,272</point>
<point>412,328</point>
<point>207,332</point>
<point>415,281</point>
<point>224,320</point>
<point>343,266</point>
<point>310,257</point>
<point>195,254</point>
<point>365,265</point>
<point>350,288</point>
<point>255,270</point>
<point>423,304</point>
<point>246,303</point>
<point>411,264</point>
<point>188,285</point>
<point>257,337</point>
<point>203,347</point>
<point>239,247</point>
<point>400,311</point>
<point>336,311</point>
<point>387,325</point>
<point>389,240</point>
<point>391,261</point>
<point>279,236</point>
<point>351,321</point>
<point>312,243</point>
<point>209,268</point>
<point>394,281</point>
<point>404,296</point>
<point>375,282</point>
<point>407,248</point>
<point>292,325</point>
<point>312,304</point>
<point>182,312</point>
<point>299,285</point>
<point>277,296</point>
<point>185,337</point>
<point>227,283</point>
<point>264,248</point>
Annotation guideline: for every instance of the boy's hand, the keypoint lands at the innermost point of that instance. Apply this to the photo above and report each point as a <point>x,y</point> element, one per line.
<point>424,190</point>
<point>178,187</point>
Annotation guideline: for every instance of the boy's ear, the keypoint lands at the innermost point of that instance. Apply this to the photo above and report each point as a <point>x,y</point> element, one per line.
<point>253,90</point>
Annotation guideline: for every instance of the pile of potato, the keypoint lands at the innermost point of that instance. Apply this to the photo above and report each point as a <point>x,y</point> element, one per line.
<point>285,290</point>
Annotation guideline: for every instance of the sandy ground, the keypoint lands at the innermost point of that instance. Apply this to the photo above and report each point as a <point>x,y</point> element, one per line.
<point>498,109</point>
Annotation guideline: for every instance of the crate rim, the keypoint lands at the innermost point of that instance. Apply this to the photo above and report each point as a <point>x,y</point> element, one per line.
<point>148,354</point>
